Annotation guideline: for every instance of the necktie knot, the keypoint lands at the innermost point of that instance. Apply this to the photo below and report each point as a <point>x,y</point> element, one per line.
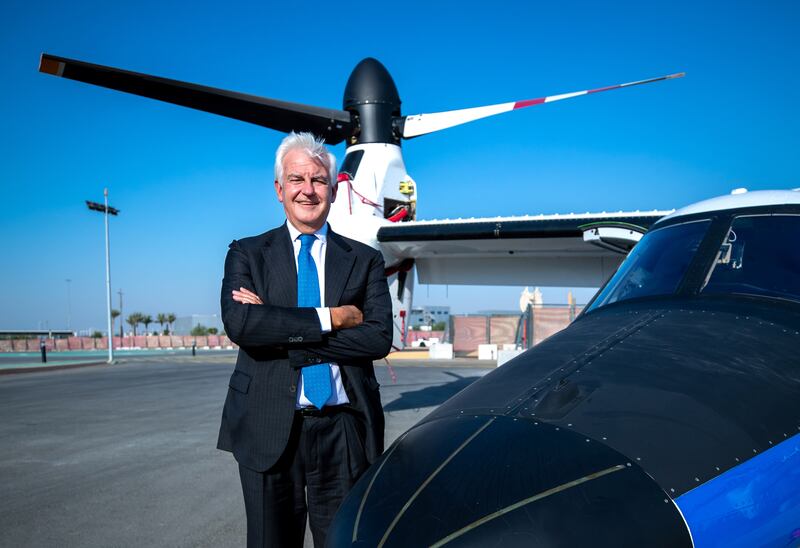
<point>306,241</point>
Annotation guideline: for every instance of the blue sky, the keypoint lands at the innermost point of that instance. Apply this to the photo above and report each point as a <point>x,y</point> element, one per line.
<point>187,182</point>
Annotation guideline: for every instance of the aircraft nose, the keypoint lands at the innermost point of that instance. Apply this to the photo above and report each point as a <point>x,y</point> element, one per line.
<point>483,480</point>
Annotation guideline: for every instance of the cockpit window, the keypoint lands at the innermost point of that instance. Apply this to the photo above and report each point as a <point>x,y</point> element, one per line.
<point>759,256</point>
<point>656,265</point>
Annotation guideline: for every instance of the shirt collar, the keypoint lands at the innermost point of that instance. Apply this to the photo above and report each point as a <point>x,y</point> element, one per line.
<point>321,234</point>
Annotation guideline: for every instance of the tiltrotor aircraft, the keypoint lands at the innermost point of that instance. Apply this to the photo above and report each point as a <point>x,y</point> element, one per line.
<point>376,202</point>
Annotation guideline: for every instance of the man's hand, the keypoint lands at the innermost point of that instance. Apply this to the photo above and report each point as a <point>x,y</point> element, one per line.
<point>345,316</point>
<point>245,296</point>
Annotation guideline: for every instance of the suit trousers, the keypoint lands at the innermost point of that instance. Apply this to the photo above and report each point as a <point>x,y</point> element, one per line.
<point>324,458</point>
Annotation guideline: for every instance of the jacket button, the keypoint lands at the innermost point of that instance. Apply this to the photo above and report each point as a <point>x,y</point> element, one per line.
<point>293,389</point>
<point>318,360</point>
<point>291,339</point>
<point>299,339</point>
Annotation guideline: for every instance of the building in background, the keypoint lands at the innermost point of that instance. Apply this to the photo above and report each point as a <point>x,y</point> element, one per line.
<point>428,316</point>
<point>185,324</point>
<point>13,334</point>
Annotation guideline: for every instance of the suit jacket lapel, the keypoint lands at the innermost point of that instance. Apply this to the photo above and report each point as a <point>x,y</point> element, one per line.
<point>280,272</point>
<point>338,264</point>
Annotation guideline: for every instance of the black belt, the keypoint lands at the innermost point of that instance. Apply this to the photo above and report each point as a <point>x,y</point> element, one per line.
<point>326,411</point>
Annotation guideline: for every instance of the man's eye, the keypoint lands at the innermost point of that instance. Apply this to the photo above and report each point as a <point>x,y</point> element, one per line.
<point>319,181</point>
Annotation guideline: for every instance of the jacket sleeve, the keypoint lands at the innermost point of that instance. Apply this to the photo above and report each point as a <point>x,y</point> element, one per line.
<point>370,340</point>
<point>264,325</point>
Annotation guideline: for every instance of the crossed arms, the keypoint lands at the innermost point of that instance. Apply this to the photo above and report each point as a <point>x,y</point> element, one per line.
<point>356,335</point>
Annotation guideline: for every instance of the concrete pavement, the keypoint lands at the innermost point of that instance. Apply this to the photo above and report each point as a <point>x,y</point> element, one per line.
<point>124,455</point>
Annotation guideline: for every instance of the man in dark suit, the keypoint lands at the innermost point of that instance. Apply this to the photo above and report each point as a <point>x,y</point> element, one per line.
<point>310,311</point>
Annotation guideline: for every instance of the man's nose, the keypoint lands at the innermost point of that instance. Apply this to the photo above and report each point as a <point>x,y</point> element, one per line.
<point>307,187</point>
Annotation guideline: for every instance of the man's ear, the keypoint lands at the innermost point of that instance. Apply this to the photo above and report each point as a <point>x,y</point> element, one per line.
<point>279,191</point>
<point>334,188</point>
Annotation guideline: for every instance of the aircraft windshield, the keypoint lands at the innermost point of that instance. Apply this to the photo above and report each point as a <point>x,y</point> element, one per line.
<point>760,256</point>
<point>656,265</point>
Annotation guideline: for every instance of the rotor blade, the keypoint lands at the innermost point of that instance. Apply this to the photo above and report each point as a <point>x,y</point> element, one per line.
<point>420,124</point>
<point>331,124</point>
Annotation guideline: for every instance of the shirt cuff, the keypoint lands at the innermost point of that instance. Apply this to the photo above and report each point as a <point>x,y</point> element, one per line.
<point>324,319</point>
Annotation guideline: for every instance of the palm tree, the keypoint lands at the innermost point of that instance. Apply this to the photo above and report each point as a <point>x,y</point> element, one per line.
<point>114,315</point>
<point>161,318</point>
<point>146,320</point>
<point>134,319</point>
<point>171,318</point>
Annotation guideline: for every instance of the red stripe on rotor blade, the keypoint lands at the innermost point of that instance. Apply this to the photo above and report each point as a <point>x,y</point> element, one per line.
<point>529,102</point>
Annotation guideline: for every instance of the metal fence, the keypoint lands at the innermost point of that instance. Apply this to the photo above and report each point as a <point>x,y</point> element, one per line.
<point>466,332</point>
<point>101,343</point>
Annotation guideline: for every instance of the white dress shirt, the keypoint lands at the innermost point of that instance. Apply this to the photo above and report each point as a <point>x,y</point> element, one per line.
<point>338,395</point>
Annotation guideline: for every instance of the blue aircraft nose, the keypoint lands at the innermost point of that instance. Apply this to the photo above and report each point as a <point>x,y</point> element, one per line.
<point>499,481</point>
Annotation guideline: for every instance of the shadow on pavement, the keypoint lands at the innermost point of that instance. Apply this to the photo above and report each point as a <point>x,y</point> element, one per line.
<point>430,396</point>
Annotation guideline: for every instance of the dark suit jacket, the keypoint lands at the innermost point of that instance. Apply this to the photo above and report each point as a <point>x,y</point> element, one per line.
<point>277,338</point>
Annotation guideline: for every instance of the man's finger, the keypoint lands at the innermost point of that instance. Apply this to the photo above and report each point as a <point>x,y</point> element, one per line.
<point>241,297</point>
<point>245,298</point>
<point>249,293</point>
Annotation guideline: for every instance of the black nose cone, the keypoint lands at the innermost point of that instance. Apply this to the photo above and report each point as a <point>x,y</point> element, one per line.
<point>370,83</point>
<point>499,481</point>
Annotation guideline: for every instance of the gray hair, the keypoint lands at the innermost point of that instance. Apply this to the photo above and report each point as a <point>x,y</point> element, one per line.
<point>311,145</point>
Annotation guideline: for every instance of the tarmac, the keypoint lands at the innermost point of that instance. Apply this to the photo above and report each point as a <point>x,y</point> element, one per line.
<point>124,454</point>
<point>20,362</point>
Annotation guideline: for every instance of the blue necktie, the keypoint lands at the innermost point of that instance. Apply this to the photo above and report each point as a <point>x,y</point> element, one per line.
<point>316,378</point>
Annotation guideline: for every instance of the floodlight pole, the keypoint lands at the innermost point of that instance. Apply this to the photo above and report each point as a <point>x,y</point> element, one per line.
<point>108,282</point>
<point>69,305</point>
<point>106,209</point>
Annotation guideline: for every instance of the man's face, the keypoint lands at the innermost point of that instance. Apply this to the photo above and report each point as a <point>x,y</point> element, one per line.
<point>306,193</point>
